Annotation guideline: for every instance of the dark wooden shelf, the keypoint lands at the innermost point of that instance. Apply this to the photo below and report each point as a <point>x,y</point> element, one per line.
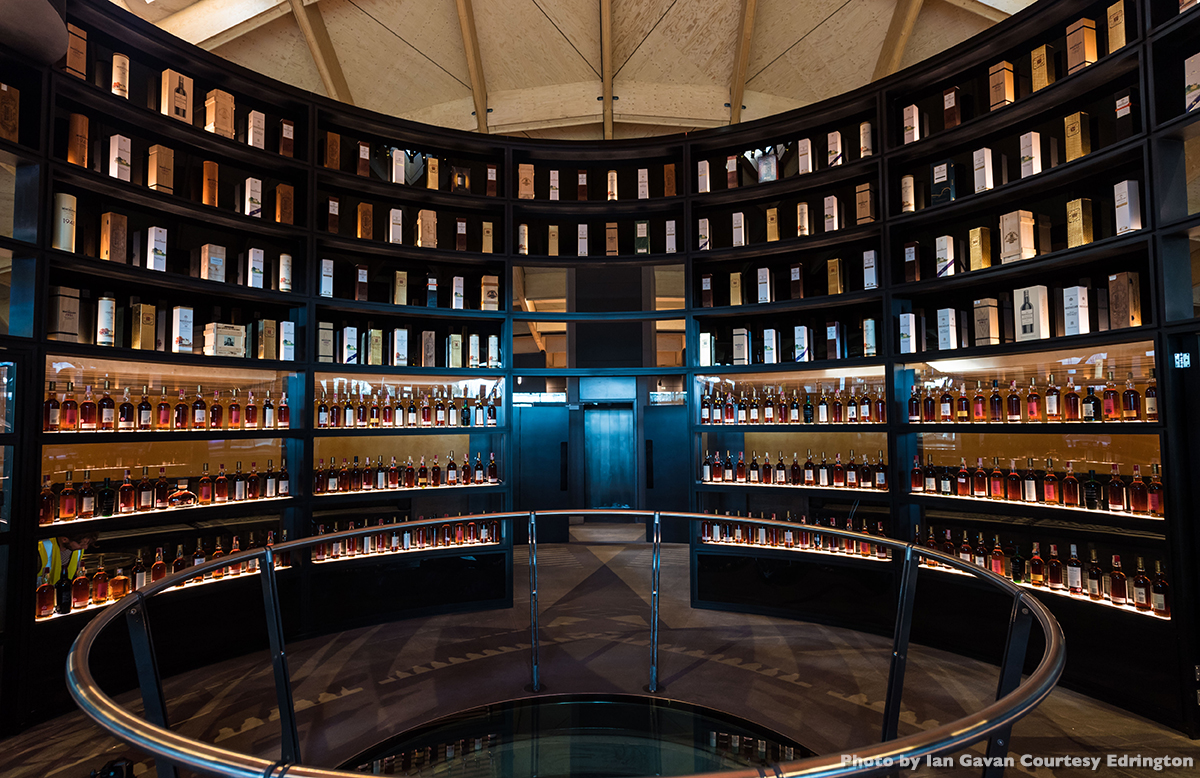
<point>1045,428</point>
<point>1125,335</point>
<point>794,367</point>
<point>175,516</point>
<point>369,187</point>
<point>167,436</point>
<point>358,432</point>
<point>407,311</point>
<point>1040,517</point>
<point>599,209</point>
<point>403,251</point>
<point>791,186</point>
<point>813,242</point>
<point>819,302</point>
<point>167,357</point>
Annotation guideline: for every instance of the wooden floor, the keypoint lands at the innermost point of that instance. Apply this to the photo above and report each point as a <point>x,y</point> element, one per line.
<point>822,686</point>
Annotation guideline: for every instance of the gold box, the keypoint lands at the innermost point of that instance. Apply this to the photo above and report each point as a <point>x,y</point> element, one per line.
<point>431,172</point>
<point>285,200</point>
<point>1079,135</point>
<point>864,203</point>
<point>144,323</point>
<point>267,337</point>
<point>772,224</point>
<point>981,248</point>
<point>160,171</point>
<point>76,63</point>
<point>366,221</point>
<point>1079,222</point>
<point>552,240</point>
<point>610,239</point>
<point>1081,45</point>
<point>218,113</point>
<point>1042,62</point>
<point>1116,26</point>
<point>487,238</point>
<point>175,98</point>
<point>834,269</point>
<point>427,229</point>
<point>524,181</point>
<point>208,194</point>
<point>77,140</point>
<point>114,231</point>
<point>1002,88</point>
<point>333,150</point>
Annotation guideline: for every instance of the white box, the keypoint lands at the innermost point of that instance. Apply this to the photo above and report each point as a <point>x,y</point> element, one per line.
<point>349,345</point>
<point>327,278</point>
<point>947,329</point>
<point>523,240</point>
<point>457,297</point>
<point>285,273</point>
<point>1031,154</point>
<point>612,184</point>
<point>1129,207</point>
<point>770,347</point>
<point>987,322</point>
<point>493,355</point>
<point>735,288</point>
<point>706,349</point>
<point>702,237</point>
<point>802,344</point>
<point>396,226</point>
<point>739,230</point>
<point>582,240</point>
<point>400,347</point>
<point>181,329</point>
<point>1075,311</point>
<point>1032,313</point>
<point>670,236</point>
<point>869,347</point>
<point>908,333</point>
<point>908,194</point>
<point>256,130</point>
<point>803,224</point>
<point>912,124</point>
<point>866,142</point>
<point>1017,237</point>
<point>833,334</point>
<point>253,204</point>
<point>119,157</point>
<point>643,191</point>
<point>832,217</point>
<point>287,341</point>
<point>454,350</point>
<point>944,247</point>
<point>833,149</point>
<point>398,172</point>
<point>765,288</point>
<point>702,176</point>
<point>1191,83</point>
<point>106,322</point>
<point>804,157</point>
<point>553,184</point>
<point>870,279</point>
<point>982,159</point>
<point>156,249</point>
<point>212,262</point>
<point>741,346</point>
<point>473,351</point>
<point>255,268</point>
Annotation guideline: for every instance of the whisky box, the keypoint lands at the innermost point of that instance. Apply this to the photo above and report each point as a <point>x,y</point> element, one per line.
<point>431,172</point>
<point>400,287</point>
<point>912,124</point>
<point>491,181</point>
<point>525,181</point>
<point>735,288</point>
<point>326,286</point>
<point>287,137</point>
<point>1124,300</point>
<point>1032,305</point>
<point>460,179</point>
<point>218,113</point>
<point>224,340</point>
<point>702,177</point>
<point>870,276</point>
<point>980,248</point>
<point>333,217</point>
<point>801,344</point>
<point>581,185</point>
<point>866,140</point>
<point>796,281</point>
<point>610,239</point>
<point>395,226</point>
<point>706,290</point>
<point>114,231</point>
<point>493,351</point>
<point>364,226</point>
<point>833,273</point>
<point>909,338</point>
<point>10,113</point>
<point>611,185</point>
<point>77,139</point>
<point>768,168</point>
<point>987,322</point>
<point>1081,45</point>
<point>251,268</point>
<point>209,262</point>
<point>1076,318</point>
<point>325,341</point>
<point>908,194</point>
<point>982,163</point>
<point>835,341</point>
<point>252,196</point>
<point>772,225</point>
<point>731,171</point>
<point>373,352</point>
<point>741,346</point>
<point>119,157</point>
<point>431,290</point>
<point>1031,154</point>
<point>160,169</point>
<point>766,290</point>
<point>702,237</point>
<point>804,156</point>
<point>427,229</point>
<point>156,249</point>
<point>489,293</point>
<point>460,234</point>
<point>951,110</point>
<point>641,237</point>
<point>553,184</point>
<point>1017,237</point>
<point>770,347</point>
<point>670,236</point>
<point>739,229</point>
<point>1079,222</point>
<point>522,239</point>
<point>707,349</point>
<point>210,187</point>
<point>266,338</point>
<point>332,148</point>
<point>833,149</point>
<point>1128,207</point>
<point>912,262</point>
<point>287,341</point>
<point>175,98</point>
<point>143,321</point>
<point>1079,135</point>
<point>457,293</point>
<point>398,173</point>
<point>283,279</point>
<point>1125,105</point>
<point>400,347</point>
<point>1116,26</point>
<point>803,223</point>
<point>581,240</point>
<point>454,351</point>
<point>864,203</point>
<point>256,129</point>
<point>669,180</point>
<point>832,217</point>
<point>64,314</point>
<point>363,165</point>
<point>943,188</point>
<point>643,184</point>
<point>473,351</point>
<point>870,347</point>
<point>944,251</point>
<point>1001,86</point>
<point>1041,62</point>
<point>1191,83</point>
<point>428,349</point>
<point>285,203</point>
<point>551,240</point>
<point>106,322</point>
<point>348,352</point>
<point>76,59</point>
<point>486,237</point>
<point>362,283</point>
<point>947,324</point>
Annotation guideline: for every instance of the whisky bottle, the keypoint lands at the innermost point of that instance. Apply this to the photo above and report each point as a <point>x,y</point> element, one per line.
<point>435,473</point>
<point>1070,488</point>
<point>283,414</point>
<point>268,412</point>
<point>995,404</point>
<point>68,499</point>
<point>1141,587</point>
<point>1033,403</point>
<point>996,485</point>
<point>850,473</point>
<point>182,497</point>
<point>162,489</point>
<point>127,415</point>
<point>979,413</point>
<point>138,574</point>
<point>62,592</point>
<point>929,407</point>
<point>479,473</point>
<point>235,410</point>
<point>493,471</point>
<point>51,410</point>
<point>1037,569</point>
<point>1074,572</point>
<point>87,497</point>
<point>119,586</point>
<point>162,419</point>
<point>68,417</point>
<point>1050,490</point>
<point>1151,398</point>
<point>253,482</point>
<point>949,547</point>
<point>158,570</point>
<point>198,559</point>
<point>218,553</point>
<point>1131,402</point>
<point>981,555</point>
<point>221,485</point>
<point>362,411</point>
<point>422,474</point>
<point>997,557</point>
<point>810,471</point>
<point>1095,576</point>
<point>1013,404</point>
<point>81,588</point>
<point>979,480</point>
<point>1117,593</point>
<point>749,474</point>
<point>100,589</point>
<point>199,410</point>
<point>1139,502</point>
<point>320,480</point>
<point>236,567</point>
<point>962,408</point>
<point>1013,483</point>
<point>1154,493</point>
<point>216,412</point>
<point>965,551</point>
<point>355,476</point>
<point>270,480</point>
<point>946,482</point>
<point>1112,400</point>
<point>410,475</point>
<point>838,472</point>
<point>1029,483</point>
<point>1160,600</point>
<point>1115,492</point>
<point>1091,492</point>
<point>865,406</point>
<point>126,496</point>
<point>204,488</point>
<point>107,408</point>
<point>180,562</point>
<point>1071,403</point>
<point>946,406</point>
<point>1091,406</point>
<point>181,415</point>
<point>917,476</point>
<point>239,484</point>
<point>914,406</point>
<point>823,471</point>
<point>1053,410</point>
<point>88,418</point>
<point>250,412</point>
<point>962,479</point>
<point>145,491</point>
<point>866,474</point>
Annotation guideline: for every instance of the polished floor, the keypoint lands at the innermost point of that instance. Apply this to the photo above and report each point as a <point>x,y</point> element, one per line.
<point>823,686</point>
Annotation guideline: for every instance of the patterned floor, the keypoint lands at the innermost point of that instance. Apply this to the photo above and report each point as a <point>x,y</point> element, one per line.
<point>823,686</point>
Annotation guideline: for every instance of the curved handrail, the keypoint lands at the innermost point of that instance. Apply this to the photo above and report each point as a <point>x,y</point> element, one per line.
<point>879,759</point>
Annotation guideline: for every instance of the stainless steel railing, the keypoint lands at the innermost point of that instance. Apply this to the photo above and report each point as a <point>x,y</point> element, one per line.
<point>1014,698</point>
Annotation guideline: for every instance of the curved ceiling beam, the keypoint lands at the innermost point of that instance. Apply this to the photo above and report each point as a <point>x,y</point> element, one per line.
<point>606,66</point>
<point>891,54</point>
<point>312,24</point>
<point>741,60</point>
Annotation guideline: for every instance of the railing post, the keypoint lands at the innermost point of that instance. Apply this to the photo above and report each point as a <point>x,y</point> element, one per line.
<point>904,611</point>
<point>655,581</point>
<point>148,678</point>
<point>1019,625</point>
<point>289,740</point>
<point>535,683</point>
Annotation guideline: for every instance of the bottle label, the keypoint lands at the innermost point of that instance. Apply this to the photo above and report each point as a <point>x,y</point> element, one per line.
<point>452,476</point>
<point>139,580</point>
<point>1030,491</point>
<point>441,417</point>
<point>852,412</point>
<point>769,414</point>
<point>322,418</point>
<point>741,416</point>
<point>824,478</point>
<point>198,417</point>
<point>107,415</point>
<point>269,418</point>
<point>1151,406</point>
<point>851,478</point>
<point>88,504</point>
<point>144,499</point>
<point>282,487</point>
<point>704,414</point>
<point>945,410</point>
<point>1052,405</point>
<point>930,484</point>
<point>794,415</point>
<point>808,478</point>
<point>754,475</point>
<point>879,479</point>
<point>823,414</point>
<point>1074,578</point>
<point>1159,602</point>
<point>270,491</point>
<point>1093,588</point>
<point>239,490</point>
<point>333,484</point>
<point>1089,411</point>
<point>707,476</point>
<point>1139,595</point>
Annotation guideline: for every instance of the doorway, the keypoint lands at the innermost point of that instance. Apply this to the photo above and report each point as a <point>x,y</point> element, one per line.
<point>610,457</point>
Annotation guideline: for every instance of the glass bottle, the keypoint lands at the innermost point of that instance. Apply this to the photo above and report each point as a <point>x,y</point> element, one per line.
<point>1050,490</point>
<point>1013,404</point>
<point>995,404</point>
<point>1115,492</point>
<point>270,481</point>
<point>962,408</point>
<point>250,412</point>
<point>1117,591</point>
<point>239,484</point>
<point>68,499</point>
<point>162,418</point>
<point>1131,401</point>
<point>108,409</point>
<point>1160,593</point>
<point>81,588</point>
<point>216,412</point>
<point>1151,398</point>
<point>269,421</point>
<point>181,415</point>
<point>1112,400</point>
<point>946,406</point>
<point>47,503</point>
<point>138,574</point>
<point>1071,404</point>
<point>235,411</point>
<point>162,490</point>
<point>978,405</point>
<point>87,497</point>
<point>51,411</point>
<point>1155,493</point>
<point>1070,488</point>
<point>127,414</point>
<point>106,499</point>
<point>88,416</point>
<point>1029,483</point>
<point>100,589</point>
<point>221,485</point>
<point>199,410</point>
<point>1139,502</point>
<point>283,414</point>
<point>914,405</point>
<point>158,570</point>
<point>126,495</point>
<point>1014,488</point>
<point>962,479</point>
<point>1037,568</point>
<point>1091,406</point>
<point>1141,587</point>
<point>204,488</point>
<point>182,497</point>
<point>1074,572</point>
<point>253,483</point>
<point>1091,492</point>
<point>979,480</point>
<point>62,592</point>
<point>145,491</point>
<point>68,417</point>
<point>996,483</point>
<point>1095,578</point>
<point>1033,403</point>
<point>1053,409</point>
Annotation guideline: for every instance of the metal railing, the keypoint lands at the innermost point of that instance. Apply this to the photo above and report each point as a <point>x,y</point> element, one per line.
<point>171,750</point>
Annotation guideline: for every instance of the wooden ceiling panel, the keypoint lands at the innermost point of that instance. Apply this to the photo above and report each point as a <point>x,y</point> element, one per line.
<point>522,48</point>
<point>693,44</point>
<point>278,50</point>
<point>579,23</point>
<point>780,24</point>
<point>632,22</point>
<point>940,26</point>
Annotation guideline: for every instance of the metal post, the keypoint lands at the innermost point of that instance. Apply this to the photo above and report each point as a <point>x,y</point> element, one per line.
<point>535,683</point>
<point>655,580</point>
<point>148,678</point>
<point>289,740</point>
<point>904,611</point>
<point>1019,625</point>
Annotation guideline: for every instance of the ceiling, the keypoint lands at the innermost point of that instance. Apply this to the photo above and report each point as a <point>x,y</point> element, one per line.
<point>540,66</point>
